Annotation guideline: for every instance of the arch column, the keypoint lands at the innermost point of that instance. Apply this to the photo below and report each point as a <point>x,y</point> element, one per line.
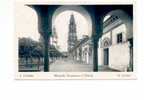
<point>46,54</point>
<point>98,33</point>
<point>44,28</point>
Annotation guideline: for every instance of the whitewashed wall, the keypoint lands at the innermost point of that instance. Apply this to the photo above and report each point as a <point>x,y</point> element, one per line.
<point>106,35</point>
<point>100,56</point>
<point>119,56</point>
<point>116,31</point>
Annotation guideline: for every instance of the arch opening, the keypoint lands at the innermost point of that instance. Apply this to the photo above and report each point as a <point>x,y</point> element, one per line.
<point>124,18</point>
<point>26,25</point>
<point>118,29</point>
<point>61,21</point>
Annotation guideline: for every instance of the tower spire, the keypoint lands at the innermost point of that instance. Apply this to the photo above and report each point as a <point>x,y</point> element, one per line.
<point>72,37</point>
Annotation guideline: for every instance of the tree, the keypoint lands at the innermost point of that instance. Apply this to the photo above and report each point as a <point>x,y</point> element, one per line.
<point>27,49</point>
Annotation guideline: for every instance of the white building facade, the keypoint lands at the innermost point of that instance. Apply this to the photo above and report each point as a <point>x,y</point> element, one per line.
<point>115,46</point>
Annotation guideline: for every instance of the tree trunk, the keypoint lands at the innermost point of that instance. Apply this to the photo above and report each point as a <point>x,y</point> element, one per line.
<point>38,64</point>
<point>26,61</point>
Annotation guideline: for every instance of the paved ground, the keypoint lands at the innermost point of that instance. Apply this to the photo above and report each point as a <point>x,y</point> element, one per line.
<point>70,66</point>
<point>73,66</point>
<point>106,69</point>
<point>65,65</point>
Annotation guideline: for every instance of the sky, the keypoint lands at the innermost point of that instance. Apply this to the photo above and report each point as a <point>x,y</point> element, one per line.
<point>26,22</point>
<point>26,25</point>
<point>62,27</point>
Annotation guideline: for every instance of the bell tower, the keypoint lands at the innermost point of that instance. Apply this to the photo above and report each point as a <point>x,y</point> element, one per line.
<point>72,37</point>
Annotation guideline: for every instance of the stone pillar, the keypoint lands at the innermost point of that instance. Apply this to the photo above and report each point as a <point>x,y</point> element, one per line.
<point>131,55</point>
<point>96,36</point>
<point>44,28</point>
<point>46,54</point>
<point>95,55</point>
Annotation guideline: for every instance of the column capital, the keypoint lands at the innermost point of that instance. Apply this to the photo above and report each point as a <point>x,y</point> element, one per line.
<point>44,19</point>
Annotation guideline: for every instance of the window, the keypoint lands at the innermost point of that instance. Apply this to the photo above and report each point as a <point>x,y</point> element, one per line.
<point>119,38</point>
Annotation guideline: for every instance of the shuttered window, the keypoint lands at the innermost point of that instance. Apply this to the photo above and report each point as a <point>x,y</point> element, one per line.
<point>119,38</point>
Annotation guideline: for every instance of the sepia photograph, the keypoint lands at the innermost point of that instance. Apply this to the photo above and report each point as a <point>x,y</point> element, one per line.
<point>72,49</point>
<point>74,37</point>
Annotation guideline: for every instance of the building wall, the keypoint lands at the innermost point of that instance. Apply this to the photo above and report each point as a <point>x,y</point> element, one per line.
<point>116,31</point>
<point>119,53</point>
<point>119,56</point>
<point>106,35</point>
<point>84,53</point>
<point>100,56</point>
<point>90,53</point>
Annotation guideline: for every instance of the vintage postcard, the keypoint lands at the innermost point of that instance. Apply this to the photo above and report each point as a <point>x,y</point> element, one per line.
<point>75,40</point>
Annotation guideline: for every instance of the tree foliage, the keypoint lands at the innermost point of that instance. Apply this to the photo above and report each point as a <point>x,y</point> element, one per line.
<point>30,48</point>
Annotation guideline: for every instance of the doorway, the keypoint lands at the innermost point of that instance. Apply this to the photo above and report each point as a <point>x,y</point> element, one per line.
<point>106,56</point>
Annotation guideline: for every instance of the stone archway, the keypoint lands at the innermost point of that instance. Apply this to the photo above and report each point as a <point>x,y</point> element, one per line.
<point>124,27</point>
<point>125,18</point>
<point>46,15</point>
<point>78,9</point>
<point>97,13</point>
